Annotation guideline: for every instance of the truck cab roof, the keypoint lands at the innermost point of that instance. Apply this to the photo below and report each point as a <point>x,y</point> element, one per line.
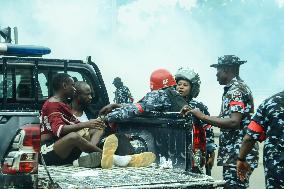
<point>25,83</point>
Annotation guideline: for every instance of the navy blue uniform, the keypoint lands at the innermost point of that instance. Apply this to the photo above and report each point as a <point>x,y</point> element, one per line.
<point>153,101</point>
<point>268,124</point>
<point>122,95</point>
<point>237,98</point>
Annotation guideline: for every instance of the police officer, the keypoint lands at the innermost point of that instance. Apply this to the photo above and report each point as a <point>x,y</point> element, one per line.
<point>163,97</point>
<point>188,85</point>
<point>161,84</point>
<point>122,93</point>
<point>267,125</point>
<point>236,111</point>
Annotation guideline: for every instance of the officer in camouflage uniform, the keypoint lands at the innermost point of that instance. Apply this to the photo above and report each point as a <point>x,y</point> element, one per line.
<point>162,83</point>
<point>188,85</point>
<point>267,124</point>
<point>237,108</point>
<point>122,93</point>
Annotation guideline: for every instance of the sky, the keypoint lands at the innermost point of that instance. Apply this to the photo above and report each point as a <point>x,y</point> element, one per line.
<point>132,38</point>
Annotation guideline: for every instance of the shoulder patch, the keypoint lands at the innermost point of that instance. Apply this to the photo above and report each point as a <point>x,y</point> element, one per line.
<point>237,95</point>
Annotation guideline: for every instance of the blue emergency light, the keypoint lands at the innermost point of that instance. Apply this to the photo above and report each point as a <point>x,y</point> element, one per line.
<point>23,50</point>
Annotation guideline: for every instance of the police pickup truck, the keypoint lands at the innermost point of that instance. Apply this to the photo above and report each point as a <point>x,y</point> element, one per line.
<point>25,83</point>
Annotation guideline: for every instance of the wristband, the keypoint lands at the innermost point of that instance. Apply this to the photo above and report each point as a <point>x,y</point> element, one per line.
<point>241,159</point>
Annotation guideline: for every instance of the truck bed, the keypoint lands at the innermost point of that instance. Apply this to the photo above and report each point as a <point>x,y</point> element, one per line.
<point>124,178</point>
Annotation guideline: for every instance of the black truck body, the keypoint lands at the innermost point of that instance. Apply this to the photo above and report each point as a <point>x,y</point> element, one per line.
<point>25,83</point>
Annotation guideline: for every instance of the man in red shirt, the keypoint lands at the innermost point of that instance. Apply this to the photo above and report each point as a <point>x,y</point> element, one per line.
<point>60,142</point>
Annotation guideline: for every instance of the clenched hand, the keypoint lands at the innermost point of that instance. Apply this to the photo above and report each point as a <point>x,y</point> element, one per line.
<point>186,110</point>
<point>243,169</point>
<point>95,124</point>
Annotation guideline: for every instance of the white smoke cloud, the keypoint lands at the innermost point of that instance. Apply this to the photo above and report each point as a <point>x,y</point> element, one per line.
<point>131,39</point>
<point>280,3</point>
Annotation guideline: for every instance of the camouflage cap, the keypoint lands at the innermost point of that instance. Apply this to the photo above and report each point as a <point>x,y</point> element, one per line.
<point>228,60</point>
<point>116,80</point>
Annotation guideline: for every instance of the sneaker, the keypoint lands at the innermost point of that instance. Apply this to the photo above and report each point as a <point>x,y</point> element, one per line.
<point>109,149</point>
<point>91,160</point>
<point>166,164</point>
<point>142,160</point>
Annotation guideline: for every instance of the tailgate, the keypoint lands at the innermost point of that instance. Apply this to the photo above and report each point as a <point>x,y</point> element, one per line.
<point>10,123</point>
<point>123,178</point>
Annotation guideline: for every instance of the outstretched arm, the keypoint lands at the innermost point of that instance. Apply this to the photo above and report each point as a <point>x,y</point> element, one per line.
<point>108,108</point>
<point>91,124</point>
<point>153,101</point>
<point>225,123</point>
<point>233,122</point>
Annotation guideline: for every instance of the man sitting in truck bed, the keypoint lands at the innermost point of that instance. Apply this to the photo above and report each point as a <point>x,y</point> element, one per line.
<point>60,142</point>
<point>117,148</point>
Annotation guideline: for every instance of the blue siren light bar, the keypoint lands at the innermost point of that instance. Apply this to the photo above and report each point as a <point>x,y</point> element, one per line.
<point>23,50</point>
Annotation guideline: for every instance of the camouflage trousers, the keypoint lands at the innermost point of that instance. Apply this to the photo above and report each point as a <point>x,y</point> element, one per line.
<point>274,177</point>
<point>232,180</point>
